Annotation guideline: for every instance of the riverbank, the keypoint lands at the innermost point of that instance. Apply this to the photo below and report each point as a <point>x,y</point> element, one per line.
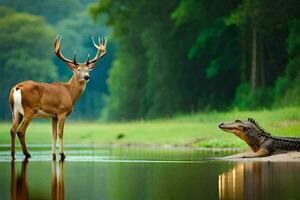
<point>197,130</point>
<point>279,157</point>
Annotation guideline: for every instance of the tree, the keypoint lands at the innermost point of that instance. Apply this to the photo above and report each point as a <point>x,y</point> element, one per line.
<point>25,52</point>
<point>135,89</point>
<point>212,51</point>
<point>52,10</point>
<point>127,76</point>
<point>159,70</point>
<point>288,85</point>
<point>191,55</point>
<point>263,26</point>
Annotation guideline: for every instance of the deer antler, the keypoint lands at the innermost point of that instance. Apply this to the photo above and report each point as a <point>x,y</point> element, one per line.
<point>101,51</point>
<point>59,54</point>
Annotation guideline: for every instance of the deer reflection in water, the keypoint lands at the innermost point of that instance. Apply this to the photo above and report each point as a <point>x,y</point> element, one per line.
<point>252,180</point>
<point>19,185</point>
<point>57,182</point>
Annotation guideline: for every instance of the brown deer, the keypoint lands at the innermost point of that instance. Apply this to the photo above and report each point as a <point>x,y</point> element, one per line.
<point>31,99</point>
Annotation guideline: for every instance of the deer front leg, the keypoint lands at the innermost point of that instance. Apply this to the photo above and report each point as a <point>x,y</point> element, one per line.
<point>61,123</point>
<point>54,137</point>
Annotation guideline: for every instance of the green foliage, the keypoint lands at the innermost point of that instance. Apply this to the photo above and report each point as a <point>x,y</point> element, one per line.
<point>136,88</point>
<point>213,68</point>
<point>288,86</point>
<point>198,55</point>
<point>165,66</point>
<point>126,90</point>
<point>293,49</point>
<point>245,11</point>
<point>26,51</point>
<point>247,99</point>
<point>206,37</point>
<point>52,10</point>
<point>291,96</point>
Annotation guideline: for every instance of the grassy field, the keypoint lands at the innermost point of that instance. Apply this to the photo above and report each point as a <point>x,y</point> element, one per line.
<point>198,130</point>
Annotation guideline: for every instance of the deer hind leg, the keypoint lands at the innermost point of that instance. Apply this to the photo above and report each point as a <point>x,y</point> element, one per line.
<point>61,123</point>
<point>21,132</point>
<point>16,123</point>
<point>54,137</point>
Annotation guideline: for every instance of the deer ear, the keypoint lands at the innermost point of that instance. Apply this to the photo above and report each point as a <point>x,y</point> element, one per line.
<point>91,66</point>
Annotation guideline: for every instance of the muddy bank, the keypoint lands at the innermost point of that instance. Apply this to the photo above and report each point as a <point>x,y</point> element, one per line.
<point>278,157</point>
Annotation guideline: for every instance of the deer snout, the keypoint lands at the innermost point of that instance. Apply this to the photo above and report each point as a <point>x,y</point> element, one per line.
<point>86,77</point>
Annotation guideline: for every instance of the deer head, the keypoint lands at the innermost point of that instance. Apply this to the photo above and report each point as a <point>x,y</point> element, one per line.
<point>81,70</point>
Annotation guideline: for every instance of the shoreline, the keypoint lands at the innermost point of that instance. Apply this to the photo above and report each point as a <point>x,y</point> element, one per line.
<point>145,146</point>
<point>293,156</point>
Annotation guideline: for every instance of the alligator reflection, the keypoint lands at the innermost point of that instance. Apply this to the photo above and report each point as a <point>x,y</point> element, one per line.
<point>252,180</point>
<point>19,184</point>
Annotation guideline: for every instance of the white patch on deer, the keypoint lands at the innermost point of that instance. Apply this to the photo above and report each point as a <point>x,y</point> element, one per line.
<point>43,114</point>
<point>18,108</point>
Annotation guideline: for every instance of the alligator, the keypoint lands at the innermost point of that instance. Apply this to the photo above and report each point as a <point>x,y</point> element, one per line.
<point>260,141</point>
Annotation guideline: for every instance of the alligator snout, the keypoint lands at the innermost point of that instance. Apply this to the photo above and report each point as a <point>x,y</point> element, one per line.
<point>220,125</point>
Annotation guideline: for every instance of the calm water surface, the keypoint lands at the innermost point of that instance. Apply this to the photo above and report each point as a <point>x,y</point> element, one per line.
<point>95,173</point>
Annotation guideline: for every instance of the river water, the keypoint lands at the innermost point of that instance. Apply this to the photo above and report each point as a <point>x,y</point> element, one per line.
<point>137,173</point>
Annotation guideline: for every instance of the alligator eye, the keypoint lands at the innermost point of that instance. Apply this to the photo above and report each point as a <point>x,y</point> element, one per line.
<point>238,120</point>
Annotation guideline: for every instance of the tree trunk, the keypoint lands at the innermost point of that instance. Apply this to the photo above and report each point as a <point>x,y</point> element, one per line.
<point>244,57</point>
<point>261,58</point>
<point>254,61</point>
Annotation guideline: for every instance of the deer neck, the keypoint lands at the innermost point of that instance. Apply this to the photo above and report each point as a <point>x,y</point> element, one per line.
<point>75,88</point>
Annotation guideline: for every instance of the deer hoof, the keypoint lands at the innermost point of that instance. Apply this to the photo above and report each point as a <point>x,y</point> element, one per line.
<point>27,155</point>
<point>62,156</point>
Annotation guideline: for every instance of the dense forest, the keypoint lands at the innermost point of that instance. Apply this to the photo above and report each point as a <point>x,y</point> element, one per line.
<point>186,56</point>
<point>164,57</point>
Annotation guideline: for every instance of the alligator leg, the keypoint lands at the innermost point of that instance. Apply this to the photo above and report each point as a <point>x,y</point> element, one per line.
<point>260,153</point>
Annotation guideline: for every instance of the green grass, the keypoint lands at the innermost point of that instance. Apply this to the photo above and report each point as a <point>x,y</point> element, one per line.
<point>197,130</point>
